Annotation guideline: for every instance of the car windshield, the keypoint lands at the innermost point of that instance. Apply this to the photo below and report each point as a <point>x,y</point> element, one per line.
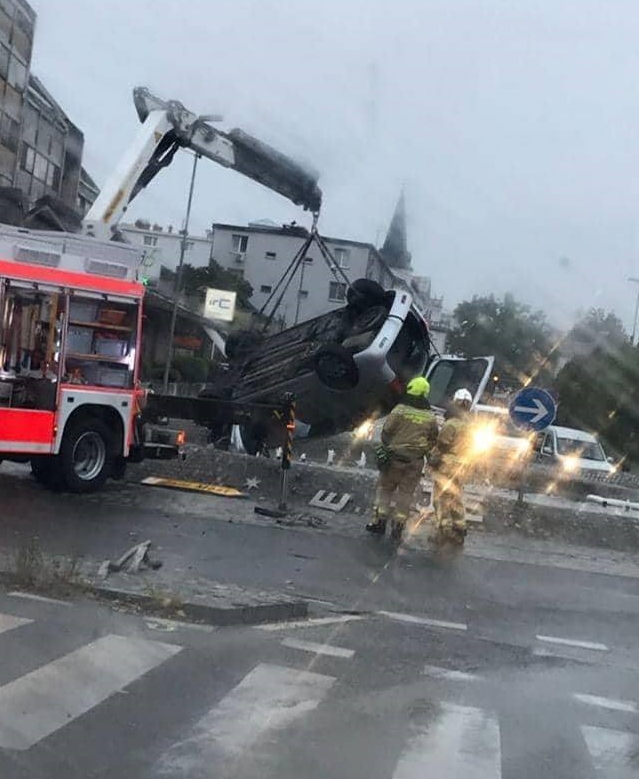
<point>587,450</point>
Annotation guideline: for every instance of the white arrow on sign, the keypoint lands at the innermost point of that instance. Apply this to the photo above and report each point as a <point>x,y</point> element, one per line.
<point>539,412</point>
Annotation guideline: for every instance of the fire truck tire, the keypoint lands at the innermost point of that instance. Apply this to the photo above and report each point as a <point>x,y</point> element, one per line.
<point>47,470</point>
<point>86,455</point>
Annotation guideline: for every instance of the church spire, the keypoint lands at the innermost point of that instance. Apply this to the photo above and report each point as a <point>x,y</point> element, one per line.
<point>395,251</point>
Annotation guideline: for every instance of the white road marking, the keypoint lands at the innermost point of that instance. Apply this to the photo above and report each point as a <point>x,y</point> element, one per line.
<point>574,642</point>
<point>463,742</point>
<point>39,703</point>
<point>40,598</point>
<point>614,752</point>
<point>448,673</point>
<point>559,655</point>
<point>309,623</point>
<point>319,649</point>
<point>9,622</point>
<point>435,623</point>
<point>171,625</point>
<point>269,698</point>
<point>606,703</point>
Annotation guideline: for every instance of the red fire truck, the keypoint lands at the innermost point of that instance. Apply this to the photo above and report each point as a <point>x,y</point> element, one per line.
<point>71,309</point>
<point>70,329</point>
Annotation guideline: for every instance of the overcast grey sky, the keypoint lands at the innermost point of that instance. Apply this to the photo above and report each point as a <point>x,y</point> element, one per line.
<point>512,123</point>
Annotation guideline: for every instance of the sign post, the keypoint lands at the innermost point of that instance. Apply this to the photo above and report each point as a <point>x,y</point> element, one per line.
<point>531,409</point>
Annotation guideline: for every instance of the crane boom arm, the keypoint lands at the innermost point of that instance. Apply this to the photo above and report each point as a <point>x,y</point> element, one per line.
<point>168,126</point>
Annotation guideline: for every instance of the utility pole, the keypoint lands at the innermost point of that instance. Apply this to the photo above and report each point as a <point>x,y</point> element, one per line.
<point>634,324</point>
<point>178,278</point>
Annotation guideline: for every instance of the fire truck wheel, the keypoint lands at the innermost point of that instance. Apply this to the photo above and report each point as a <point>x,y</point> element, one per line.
<point>86,455</point>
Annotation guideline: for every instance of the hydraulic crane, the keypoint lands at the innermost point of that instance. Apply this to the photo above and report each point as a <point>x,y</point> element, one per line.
<point>168,126</point>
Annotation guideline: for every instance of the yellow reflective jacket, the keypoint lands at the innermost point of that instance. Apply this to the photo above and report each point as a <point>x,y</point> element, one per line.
<point>409,432</point>
<point>452,441</point>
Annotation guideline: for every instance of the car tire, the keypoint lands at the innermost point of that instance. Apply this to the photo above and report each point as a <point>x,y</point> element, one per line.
<point>364,293</point>
<point>47,471</point>
<point>86,455</point>
<point>336,368</point>
<point>370,319</point>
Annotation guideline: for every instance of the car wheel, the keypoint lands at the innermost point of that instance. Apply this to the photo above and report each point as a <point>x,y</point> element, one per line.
<point>364,293</point>
<point>86,455</point>
<point>336,368</point>
<point>370,319</point>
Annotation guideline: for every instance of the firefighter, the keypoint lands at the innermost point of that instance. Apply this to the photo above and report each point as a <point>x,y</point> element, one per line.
<point>408,435</point>
<point>449,465</point>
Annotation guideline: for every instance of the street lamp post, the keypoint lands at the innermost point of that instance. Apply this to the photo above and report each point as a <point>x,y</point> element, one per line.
<point>634,324</point>
<point>178,278</point>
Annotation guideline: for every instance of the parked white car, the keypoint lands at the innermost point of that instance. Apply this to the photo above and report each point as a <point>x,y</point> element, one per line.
<point>574,450</point>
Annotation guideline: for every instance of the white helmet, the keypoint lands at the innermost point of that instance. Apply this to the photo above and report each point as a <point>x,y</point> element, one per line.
<point>462,396</point>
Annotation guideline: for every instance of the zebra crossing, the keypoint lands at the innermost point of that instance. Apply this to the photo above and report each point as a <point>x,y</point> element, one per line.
<point>296,700</point>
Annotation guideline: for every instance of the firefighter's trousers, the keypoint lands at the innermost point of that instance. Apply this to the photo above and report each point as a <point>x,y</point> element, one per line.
<point>396,484</point>
<point>448,499</point>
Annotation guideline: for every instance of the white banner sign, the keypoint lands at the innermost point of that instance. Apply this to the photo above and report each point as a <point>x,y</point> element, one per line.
<point>220,304</point>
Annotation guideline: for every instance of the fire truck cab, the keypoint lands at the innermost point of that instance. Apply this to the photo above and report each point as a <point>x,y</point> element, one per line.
<point>70,329</point>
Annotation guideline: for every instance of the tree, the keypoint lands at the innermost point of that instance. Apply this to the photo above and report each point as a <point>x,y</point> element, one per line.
<point>196,280</point>
<point>519,338</point>
<point>598,328</point>
<point>598,392</point>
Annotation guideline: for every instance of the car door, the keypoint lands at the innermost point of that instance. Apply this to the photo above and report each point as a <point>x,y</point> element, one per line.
<point>447,374</point>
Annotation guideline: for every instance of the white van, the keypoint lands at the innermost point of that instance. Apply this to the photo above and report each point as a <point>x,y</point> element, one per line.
<point>574,450</point>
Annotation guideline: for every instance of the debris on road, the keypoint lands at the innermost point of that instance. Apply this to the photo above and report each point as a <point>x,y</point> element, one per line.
<point>135,559</point>
<point>193,486</point>
<point>324,500</point>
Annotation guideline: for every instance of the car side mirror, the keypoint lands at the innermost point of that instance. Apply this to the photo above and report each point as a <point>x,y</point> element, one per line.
<point>611,460</point>
<point>546,450</point>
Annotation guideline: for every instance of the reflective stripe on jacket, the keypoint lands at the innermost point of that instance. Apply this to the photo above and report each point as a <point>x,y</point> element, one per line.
<point>410,433</point>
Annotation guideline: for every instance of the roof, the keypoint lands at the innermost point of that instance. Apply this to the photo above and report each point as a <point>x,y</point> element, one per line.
<point>127,227</point>
<point>295,231</point>
<point>574,433</point>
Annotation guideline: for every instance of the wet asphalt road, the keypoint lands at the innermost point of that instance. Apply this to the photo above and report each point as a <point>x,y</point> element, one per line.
<point>475,668</point>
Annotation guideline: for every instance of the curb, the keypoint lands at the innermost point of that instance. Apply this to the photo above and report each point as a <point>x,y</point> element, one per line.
<point>213,615</point>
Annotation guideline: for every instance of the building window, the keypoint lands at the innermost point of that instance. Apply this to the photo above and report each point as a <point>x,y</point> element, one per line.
<point>238,272</point>
<point>6,23</point>
<point>266,288</point>
<point>9,132</point>
<point>342,257</point>
<point>337,291</point>
<point>271,255</point>
<point>4,61</point>
<point>40,167</point>
<point>150,240</point>
<point>17,74</point>
<point>303,293</point>
<point>240,243</point>
<point>27,158</point>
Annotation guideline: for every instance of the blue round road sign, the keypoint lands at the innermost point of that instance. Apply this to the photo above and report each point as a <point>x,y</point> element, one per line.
<point>533,409</point>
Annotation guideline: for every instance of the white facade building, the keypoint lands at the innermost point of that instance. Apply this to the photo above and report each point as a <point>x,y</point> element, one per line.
<point>162,247</point>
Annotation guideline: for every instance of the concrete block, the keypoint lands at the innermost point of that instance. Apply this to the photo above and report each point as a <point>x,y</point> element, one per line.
<point>324,500</point>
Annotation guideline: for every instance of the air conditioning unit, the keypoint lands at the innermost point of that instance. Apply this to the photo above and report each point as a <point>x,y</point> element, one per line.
<point>238,257</point>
